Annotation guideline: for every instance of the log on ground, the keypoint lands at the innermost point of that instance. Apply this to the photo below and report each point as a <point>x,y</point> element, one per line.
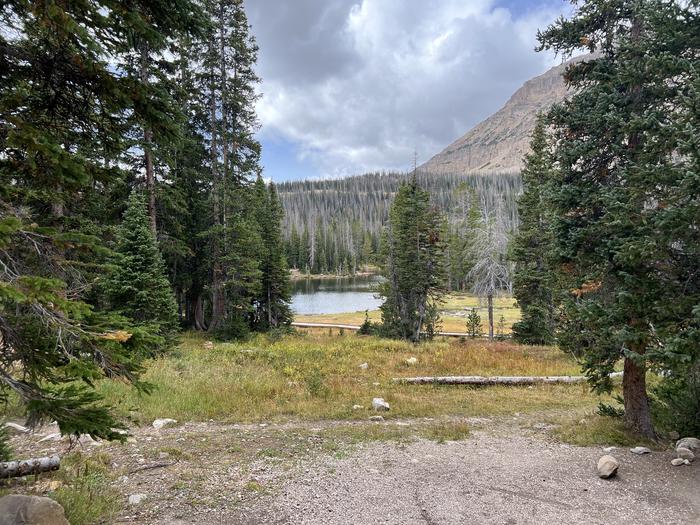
<point>26,467</point>
<point>493,380</point>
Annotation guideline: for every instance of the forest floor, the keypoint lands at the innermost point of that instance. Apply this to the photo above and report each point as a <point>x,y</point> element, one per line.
<point>278,430</point>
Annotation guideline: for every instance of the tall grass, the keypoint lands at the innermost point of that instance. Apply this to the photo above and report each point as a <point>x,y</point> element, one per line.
<point>318,377</point>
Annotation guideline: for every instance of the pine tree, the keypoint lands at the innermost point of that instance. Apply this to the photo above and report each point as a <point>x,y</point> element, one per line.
<point>272,304</point>
<point>413,258</point>
<point>63,110</point>
<point>138,287</point>
<point>532,247</point>
<point>625,194</point>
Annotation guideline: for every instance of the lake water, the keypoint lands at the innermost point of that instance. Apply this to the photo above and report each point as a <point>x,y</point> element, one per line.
<point>334,296</point>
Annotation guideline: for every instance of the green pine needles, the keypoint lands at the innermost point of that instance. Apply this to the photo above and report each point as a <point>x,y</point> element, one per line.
<point>138,287</point>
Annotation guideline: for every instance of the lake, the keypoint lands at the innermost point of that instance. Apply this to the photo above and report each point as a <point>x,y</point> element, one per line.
<point>334,296</point>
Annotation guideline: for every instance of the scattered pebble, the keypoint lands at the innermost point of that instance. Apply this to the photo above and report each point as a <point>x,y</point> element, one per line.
<point>357,407</point>
<point>363,366</point>
<point>411,361</point>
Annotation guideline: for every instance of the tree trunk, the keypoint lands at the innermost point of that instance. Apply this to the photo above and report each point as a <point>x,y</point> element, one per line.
<point>199,322</point>
<point>634,392</point>
<point>147,153</point>
<point>490,304</point>
<point>14,469</point>
<point>494,380</point>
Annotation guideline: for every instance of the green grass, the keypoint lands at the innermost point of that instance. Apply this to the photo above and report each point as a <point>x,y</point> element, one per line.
<point>316,376</point>
<point>591,429</point>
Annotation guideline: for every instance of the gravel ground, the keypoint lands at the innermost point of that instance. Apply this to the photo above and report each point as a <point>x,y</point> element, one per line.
<point>486,480</point>
<point>509,471</point>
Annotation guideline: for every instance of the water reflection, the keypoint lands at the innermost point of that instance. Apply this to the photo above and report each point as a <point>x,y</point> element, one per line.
<point>332,296</point>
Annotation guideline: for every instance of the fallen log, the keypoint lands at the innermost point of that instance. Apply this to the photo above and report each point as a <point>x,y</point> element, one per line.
<point>494,380</point>
<point>26,467</point>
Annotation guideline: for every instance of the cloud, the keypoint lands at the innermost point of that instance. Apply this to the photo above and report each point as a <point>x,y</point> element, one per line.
<point>359,85</point>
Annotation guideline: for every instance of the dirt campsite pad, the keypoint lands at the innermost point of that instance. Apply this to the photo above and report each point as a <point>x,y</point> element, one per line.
<point>505,471</point>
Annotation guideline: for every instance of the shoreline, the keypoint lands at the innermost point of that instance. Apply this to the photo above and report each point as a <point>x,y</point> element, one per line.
<point>296,275</point>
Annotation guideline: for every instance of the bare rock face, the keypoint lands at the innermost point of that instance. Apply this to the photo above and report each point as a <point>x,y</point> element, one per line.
<point>17,509</point>
<point>498,144</point>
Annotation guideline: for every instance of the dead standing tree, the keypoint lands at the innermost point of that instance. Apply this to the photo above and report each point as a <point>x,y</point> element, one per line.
<point>491,273</point>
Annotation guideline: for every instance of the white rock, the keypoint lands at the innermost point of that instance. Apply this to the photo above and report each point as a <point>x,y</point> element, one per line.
<point>607,467</point>
<point>411,361</point>
<point>685,453</point>
<point>376,418</point>
<point>15,428</point>
<point>135,499</point>
<point>690,443</point>
<point>379,404</point>
<point>357,407</point>
<point>363,366</point>
<point>676,462</point>
<point>208,345</point>
<point>164,422</point>
<point>609,449</point>
<point>640,450</point>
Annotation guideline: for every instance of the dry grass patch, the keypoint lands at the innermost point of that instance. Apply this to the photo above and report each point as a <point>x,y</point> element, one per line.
<point>317,377</point>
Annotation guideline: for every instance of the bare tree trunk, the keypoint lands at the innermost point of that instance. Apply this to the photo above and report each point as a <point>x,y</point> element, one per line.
<point>218,303</point>
<point>14,469</point>
<point>199,322</point>
<point>634,392</point>
<point>269,307</point>
<point>490,308</point>
<point>147,153</point>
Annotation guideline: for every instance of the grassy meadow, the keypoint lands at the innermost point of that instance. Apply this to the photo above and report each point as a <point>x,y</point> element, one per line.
<point>315,376</point>
<point>453,310</point>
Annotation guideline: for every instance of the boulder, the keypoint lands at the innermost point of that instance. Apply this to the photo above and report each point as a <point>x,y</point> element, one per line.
<point>685,453</point>
<point>17,509</point>
<point>676,462</point>
<point>607,467</point>
<point>640,450</point>
<point>690,443</point>
<point>380,405</point>
<point>164,422</point>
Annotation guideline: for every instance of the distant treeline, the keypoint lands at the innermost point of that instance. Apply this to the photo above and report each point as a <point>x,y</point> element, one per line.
<point>335,226</point>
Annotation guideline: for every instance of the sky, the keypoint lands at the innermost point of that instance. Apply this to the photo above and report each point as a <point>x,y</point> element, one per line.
<point>353,86</point>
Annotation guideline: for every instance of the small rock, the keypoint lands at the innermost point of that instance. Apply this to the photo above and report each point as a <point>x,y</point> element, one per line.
<point>676,462</point>
<point>640,450</point>
<point>379,404</point>
<point>375,384</point>
<point>607,467</point>
<point>690,443</point>
<point>609,449</point>
<point>411,361</point>
<point>15,428</point>
<point>164,422</point>
<point>136,499</point>
<point>208,345</point>
<point>163,455</point>
<point>376,418</point>
<point>685,453</point>
<point>31,510</point>
<point>363,366</point>
<point>673,435</point>
<point>357,407</point>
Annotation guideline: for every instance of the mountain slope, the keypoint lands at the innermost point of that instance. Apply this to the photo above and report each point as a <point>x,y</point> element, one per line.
<point>498,143</point>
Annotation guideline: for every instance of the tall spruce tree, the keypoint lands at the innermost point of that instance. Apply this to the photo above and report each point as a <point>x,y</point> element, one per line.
<point>272,304</point>
<point>532,247</point>
<point>63,110</point>
<point>413,265</point>
<point>625,194</point>
<point>138,287</point>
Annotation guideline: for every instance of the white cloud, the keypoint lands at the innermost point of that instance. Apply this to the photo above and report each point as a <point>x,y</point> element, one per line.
<point>358,85</point>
